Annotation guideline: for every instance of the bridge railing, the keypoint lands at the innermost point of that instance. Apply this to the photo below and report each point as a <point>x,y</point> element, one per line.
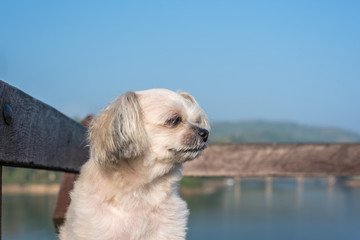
<point>35,135</point>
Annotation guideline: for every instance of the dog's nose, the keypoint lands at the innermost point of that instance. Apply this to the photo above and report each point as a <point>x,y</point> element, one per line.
<point>204,134</point>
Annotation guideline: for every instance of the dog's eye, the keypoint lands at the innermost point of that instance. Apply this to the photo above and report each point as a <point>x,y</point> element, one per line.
<point>173,122</point>
<point>198,121</point>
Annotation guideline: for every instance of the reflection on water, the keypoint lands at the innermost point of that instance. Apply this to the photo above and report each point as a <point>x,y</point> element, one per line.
<point>27,217</point>
<point>277,209</point>
<point>244,209</point>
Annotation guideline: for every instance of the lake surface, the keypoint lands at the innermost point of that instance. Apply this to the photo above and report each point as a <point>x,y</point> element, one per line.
<point>250,209</point>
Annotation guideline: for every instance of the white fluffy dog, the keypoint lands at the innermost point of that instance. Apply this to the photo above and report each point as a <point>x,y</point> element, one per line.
<point>128,188</point>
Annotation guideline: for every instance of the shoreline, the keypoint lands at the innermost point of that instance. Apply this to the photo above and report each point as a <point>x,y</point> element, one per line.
<point>208,188</point>
<point>31,189</point>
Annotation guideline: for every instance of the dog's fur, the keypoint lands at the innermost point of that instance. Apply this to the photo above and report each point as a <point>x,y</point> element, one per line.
<point>128,188</point>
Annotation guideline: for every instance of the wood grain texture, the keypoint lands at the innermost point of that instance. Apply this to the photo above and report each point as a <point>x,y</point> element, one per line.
<point>276,160</point>
<point>39,136</point>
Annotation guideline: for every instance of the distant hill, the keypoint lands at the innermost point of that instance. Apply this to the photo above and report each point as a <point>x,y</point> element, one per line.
<point>278,132</point>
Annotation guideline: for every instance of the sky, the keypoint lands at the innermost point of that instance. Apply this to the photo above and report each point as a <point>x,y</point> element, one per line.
<point>275,60</point>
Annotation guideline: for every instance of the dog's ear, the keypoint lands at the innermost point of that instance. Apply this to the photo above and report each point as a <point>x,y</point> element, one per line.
<point>188,97</point>
<point>118,132</point>
<point>204,121</point>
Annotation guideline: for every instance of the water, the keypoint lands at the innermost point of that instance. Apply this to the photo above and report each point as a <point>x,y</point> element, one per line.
<point>256,209</point>
<point>28,217</point>
<point>281,210</point>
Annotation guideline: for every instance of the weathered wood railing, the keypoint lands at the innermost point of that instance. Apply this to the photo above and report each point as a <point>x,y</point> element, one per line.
<point>35,135</point>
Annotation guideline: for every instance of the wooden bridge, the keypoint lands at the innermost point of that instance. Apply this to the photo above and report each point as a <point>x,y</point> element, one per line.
<point>35,135</point>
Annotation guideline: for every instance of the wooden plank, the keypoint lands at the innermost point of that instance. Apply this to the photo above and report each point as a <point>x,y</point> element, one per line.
<point>276,160</point>
<point>36,135</point>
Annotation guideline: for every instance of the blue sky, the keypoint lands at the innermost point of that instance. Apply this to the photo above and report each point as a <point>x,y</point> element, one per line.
<point>274,60</point>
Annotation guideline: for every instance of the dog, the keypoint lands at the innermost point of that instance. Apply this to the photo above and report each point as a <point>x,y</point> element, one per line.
<point>128,190</point>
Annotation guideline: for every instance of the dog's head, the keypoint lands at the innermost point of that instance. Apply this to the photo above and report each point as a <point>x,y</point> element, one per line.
<point>157,124</point>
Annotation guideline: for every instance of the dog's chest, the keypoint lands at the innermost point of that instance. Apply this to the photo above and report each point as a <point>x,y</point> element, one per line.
<point>167,221</point>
